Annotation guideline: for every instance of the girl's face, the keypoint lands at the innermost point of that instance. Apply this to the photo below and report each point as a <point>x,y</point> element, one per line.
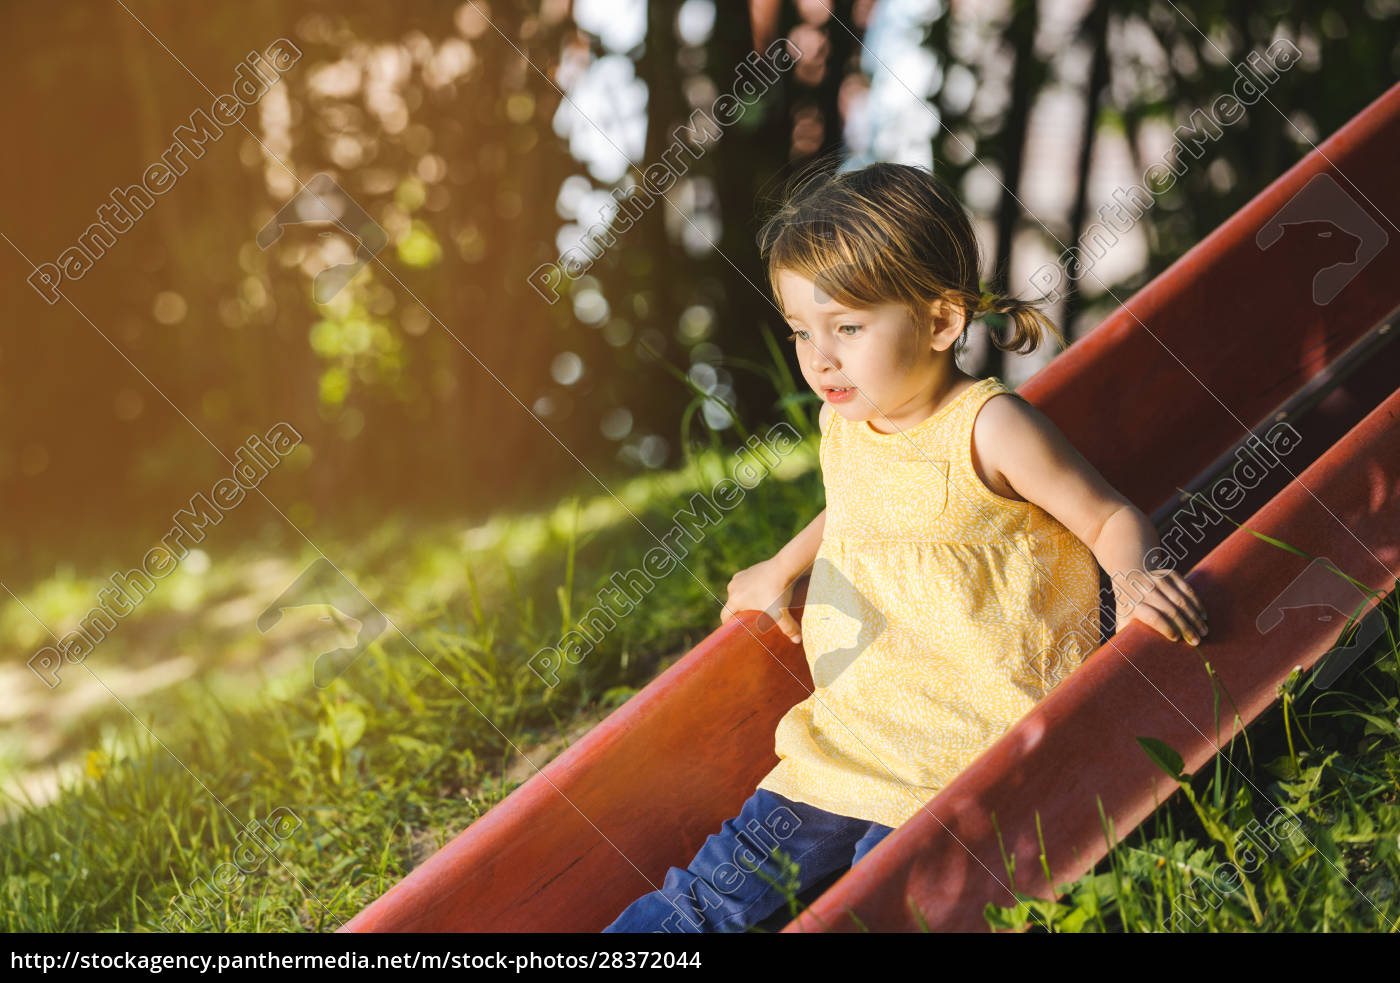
<point>870,364</point>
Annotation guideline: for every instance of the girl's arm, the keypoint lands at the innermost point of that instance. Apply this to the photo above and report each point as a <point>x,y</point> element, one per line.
<point>1019,443</point>
<point>796,558</point>
<point>767,586</point>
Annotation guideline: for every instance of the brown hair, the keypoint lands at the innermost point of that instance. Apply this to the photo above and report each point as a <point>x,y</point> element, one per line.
<point>889,233</point>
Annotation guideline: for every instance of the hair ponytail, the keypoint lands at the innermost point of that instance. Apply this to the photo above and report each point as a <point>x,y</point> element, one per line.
<point>1029,325</point>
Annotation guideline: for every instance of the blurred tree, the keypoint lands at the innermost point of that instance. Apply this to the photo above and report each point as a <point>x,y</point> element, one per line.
<point>453,132</point>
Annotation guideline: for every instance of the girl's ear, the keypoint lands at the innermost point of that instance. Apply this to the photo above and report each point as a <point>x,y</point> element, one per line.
<point>946,323</point>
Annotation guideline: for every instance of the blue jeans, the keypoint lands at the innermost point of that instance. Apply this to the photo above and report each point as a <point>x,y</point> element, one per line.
<point>721,892</point>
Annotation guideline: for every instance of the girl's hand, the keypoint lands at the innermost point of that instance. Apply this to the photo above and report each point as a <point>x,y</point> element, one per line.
<point>1171,608</point>
<point>763,587</point>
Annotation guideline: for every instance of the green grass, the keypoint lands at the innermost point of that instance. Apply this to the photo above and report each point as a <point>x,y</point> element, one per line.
<point>395,756</point>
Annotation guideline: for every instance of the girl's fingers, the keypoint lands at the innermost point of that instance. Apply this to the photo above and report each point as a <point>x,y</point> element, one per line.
<point>788,624</point>
<point>1178,592</point>
<point>1170,621</point>
<point>1153,618</point>
<point>1196,605</point>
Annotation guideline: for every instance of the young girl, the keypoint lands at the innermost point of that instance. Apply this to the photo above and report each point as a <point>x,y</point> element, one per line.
<point>956,570</point>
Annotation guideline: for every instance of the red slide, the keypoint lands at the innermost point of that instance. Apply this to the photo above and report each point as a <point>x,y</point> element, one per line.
<point>1272,318</point>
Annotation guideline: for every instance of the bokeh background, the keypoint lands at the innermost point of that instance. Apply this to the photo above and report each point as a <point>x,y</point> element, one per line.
<point>474,458</point>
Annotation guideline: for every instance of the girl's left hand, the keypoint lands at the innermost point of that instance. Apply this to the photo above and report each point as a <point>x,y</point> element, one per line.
<point>1171,608</point>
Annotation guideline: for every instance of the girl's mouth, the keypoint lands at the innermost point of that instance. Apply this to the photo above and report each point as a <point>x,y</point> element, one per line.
<point>838,394</point>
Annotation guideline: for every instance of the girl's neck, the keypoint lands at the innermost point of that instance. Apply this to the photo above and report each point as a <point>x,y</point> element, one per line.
<point>947,387</point>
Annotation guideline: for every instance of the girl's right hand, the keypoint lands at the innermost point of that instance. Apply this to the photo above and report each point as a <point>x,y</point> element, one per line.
<point>763,587</point>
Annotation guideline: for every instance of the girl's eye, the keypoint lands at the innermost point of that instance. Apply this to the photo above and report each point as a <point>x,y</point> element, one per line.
<point>794,335</point>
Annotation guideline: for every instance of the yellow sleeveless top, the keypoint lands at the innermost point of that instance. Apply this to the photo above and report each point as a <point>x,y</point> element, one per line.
<point>937,614</point>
